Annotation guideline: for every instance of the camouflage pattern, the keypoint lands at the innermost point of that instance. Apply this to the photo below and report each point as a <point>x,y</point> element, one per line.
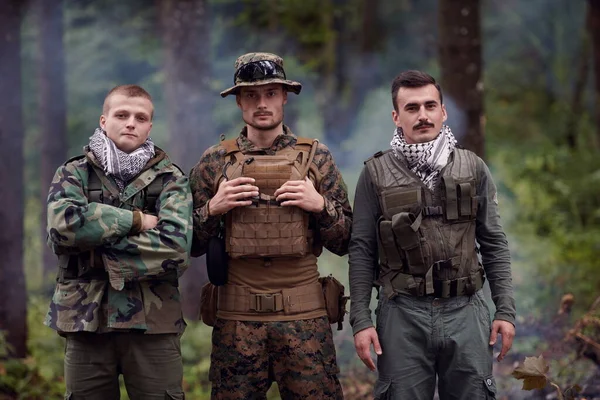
<point>292,86</point>
<point>299,355</point>
<point>139,288</point>
<point>334,222</point>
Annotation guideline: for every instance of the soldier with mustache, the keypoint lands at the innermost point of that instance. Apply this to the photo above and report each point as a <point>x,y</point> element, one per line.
<point>421,209</point>
<point>278,199</point>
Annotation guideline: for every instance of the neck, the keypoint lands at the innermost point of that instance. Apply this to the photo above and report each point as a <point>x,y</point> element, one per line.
<point>264,138</point>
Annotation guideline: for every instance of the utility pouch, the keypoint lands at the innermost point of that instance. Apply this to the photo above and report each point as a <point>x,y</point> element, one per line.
<point>208,304</point>
<point>405,227</point>
<point>335,301</point>
<point>217,260</point>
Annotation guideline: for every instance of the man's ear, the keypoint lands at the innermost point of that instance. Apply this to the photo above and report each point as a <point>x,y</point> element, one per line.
<point>444,113</point>
<point>285,95</point>
<point>103,122</point>
<point>237,101</point>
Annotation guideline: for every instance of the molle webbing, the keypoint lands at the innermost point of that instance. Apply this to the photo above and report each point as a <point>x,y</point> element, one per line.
<point>234,298</point>
<point>416,286</point>
<point>266,229</point>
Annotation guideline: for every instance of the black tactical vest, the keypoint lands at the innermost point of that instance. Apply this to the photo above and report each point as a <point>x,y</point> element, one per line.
<point>427,238</point>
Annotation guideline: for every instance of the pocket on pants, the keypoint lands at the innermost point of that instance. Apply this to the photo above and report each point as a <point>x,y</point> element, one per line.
<point>382,390</point>
<point>174,394</point>
<point>490,387</point>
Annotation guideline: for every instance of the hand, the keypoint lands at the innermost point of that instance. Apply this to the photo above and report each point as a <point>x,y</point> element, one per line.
<point>362,342</point>
<point>301,194</point>
<point>149,221</point>
<point>231,194</point>
<point>507,330</point>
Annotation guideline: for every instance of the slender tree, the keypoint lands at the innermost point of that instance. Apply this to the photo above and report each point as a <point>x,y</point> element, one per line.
<point>52,103</point>
<point>186,40</point>
<point>460,61</point>
<point>594,29</point>
<point>13,295</point>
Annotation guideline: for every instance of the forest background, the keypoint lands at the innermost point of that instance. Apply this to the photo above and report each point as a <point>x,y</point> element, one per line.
<point>521,86</point>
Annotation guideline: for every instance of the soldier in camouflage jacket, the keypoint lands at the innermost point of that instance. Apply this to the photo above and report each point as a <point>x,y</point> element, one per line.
<point>252,347</point>
<point>117,300</point>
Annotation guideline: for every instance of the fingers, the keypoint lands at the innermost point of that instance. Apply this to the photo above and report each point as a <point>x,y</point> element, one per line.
<point>508,335</point>
<point>376,345</point>
<point>239,181</point>
<point>494,334</point>
<point>362,342</point>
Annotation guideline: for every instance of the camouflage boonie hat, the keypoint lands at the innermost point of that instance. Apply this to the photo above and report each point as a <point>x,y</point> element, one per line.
<point>255,69</point>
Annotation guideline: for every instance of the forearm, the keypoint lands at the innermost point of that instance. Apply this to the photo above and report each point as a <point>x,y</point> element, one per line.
<point>494,248</point>
<point>163,249</point>
<point>76,224</point>
<point>363,256</point>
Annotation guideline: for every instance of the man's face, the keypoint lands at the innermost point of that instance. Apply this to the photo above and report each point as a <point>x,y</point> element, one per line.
<point>128,122</point>
<point>262,106</point>
<point>420,114</point>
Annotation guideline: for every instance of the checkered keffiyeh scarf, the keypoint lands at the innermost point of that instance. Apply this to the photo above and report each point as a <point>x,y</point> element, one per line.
<point>122,166</point>
<point>425,159</point>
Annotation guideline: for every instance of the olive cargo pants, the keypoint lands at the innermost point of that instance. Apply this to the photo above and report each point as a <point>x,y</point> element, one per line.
<point>422,337</point>
<point>151,366</point>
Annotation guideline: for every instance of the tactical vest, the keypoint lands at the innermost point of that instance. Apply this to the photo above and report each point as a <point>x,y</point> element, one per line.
<point>89,264</point>
<point>266,229</point>
<point>427,238</point>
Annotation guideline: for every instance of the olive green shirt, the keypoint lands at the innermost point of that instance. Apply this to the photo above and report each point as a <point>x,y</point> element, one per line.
<point>364,259</point>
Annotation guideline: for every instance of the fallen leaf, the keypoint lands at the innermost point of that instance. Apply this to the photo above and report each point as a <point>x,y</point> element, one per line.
<point>533,373</point>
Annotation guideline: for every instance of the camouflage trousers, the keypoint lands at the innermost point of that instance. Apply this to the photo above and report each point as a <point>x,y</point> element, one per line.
<point>299,355</point>
<point>151,366</point>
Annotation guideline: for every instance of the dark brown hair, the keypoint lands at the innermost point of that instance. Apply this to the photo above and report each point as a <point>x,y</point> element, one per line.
<point>412,79</point>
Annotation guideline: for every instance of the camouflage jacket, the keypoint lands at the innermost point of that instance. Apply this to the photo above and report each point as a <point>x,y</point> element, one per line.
<point>112,275</point>
<point>334,222</point>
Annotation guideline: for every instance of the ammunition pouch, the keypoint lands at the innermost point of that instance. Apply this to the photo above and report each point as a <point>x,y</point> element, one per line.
<point>417,286</point>
<point>241,299</point>
<point>335,301</point>
<point>208,304</point>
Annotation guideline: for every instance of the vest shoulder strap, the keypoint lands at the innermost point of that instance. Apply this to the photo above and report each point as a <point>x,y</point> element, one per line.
<point>94,189</point>
<point>230,146</point>
<point>300,140</point>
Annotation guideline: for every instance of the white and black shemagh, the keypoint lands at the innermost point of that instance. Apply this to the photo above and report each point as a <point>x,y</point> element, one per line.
<point>122,166</point>
<point>425,159</point>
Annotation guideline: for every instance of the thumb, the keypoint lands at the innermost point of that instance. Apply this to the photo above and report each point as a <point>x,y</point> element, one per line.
<point>493,336</point>
<point>376,345</point>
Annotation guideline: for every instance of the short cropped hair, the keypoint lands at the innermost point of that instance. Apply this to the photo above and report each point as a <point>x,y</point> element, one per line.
<point>129,91</point>
<point>412,79</point>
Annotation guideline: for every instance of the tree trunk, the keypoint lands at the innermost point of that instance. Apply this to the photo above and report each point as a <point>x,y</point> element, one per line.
<point>350,73</point>
<point>572,126</point>
<point>186,40</point>
<point>52,103</point>
<point>594,24</point>
<point>461,67</point>
<point>13,295</point>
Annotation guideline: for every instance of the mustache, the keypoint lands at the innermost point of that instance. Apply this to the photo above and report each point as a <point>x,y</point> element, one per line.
<point>423,124</point>
<point>265,113</point>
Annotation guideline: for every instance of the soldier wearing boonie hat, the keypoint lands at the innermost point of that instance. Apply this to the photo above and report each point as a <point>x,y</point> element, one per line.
<point>281,199</point>
<point>255,69</point>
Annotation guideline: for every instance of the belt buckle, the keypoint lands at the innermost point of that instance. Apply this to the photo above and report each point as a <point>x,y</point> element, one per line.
<point>265,302</point>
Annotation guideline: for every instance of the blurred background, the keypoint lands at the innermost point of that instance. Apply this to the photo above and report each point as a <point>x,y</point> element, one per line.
<point>521,81</point>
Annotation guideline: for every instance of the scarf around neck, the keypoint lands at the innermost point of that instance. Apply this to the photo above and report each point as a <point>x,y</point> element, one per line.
<point>120,165</point>
<point>425,159</point>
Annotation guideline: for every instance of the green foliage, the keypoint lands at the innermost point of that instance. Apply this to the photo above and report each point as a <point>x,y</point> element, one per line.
<point>39,376</point>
